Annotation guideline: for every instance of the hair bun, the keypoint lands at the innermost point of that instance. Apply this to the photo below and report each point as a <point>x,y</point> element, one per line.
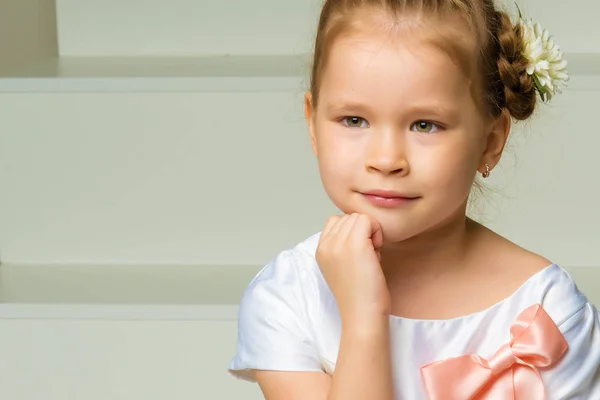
<point>519,86</point>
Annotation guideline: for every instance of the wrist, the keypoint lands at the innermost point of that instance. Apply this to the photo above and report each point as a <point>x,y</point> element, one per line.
<point>363,311</point>
<point>366,324</point>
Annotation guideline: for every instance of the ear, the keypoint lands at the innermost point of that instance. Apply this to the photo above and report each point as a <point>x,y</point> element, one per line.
<point>496,141</point>
<point>309,114</point>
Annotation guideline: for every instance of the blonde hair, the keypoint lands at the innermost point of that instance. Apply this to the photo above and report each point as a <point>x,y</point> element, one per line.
<point>503,80</point>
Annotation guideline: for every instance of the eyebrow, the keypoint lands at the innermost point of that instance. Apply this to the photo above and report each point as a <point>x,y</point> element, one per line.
<point>348,107</point>
<point>434,109</point>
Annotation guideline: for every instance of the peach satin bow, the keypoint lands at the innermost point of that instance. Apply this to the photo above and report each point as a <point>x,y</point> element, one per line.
<point>536,342</point>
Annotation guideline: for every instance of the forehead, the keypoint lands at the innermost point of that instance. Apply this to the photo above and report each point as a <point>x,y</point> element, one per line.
<point>451,31</point>
<point>380,55</point>
<point>381,68</point>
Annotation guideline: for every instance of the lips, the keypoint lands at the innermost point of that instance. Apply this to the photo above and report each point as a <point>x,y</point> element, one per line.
<point>389,198</point>
<point>389,194</point>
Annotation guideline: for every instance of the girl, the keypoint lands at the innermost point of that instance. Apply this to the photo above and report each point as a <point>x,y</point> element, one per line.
<point>403,296</point>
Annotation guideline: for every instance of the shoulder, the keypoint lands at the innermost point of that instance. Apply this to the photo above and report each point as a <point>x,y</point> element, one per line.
<point>289,278</point>
<point>554,288</point>
<point>577,374</point>
<point>298,260</point>
<point>275,331</point>
<point>530,277</point>
<point>540,281</point>
<point>505,258</point>
<point>558,293</point>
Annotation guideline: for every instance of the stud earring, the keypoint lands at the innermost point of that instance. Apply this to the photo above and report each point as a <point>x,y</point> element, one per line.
<point>486,174</point>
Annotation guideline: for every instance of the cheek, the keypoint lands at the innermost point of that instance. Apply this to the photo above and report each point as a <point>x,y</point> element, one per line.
<point>339,157</point>
<point>337,166</point>
<point>338,171</point>
<point>449,169</point>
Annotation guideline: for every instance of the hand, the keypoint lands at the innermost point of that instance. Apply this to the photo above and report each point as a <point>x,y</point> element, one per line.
<point>349,258</point>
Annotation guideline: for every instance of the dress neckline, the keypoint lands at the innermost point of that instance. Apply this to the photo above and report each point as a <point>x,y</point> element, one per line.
<point>463,318</point>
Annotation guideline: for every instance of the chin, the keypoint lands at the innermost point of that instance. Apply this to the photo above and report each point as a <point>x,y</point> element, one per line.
<point>409,225</point>
<point>397,225</point>
<point>397,233</point>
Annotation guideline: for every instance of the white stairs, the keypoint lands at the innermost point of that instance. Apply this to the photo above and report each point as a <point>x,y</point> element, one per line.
<point>153,156</point>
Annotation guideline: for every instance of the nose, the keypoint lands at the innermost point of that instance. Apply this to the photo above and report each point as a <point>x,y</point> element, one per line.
<point>386,153</point>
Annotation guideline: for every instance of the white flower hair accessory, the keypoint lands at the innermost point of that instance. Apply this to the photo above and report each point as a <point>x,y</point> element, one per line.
<point>546,63</point>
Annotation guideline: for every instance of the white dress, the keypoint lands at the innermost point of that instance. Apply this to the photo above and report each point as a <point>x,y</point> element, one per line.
<point>289,321</point>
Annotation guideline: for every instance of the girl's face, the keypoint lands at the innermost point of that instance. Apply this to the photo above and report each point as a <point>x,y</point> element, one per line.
<point>397,116</point>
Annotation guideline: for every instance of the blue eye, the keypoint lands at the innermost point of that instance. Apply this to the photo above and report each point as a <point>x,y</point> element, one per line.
<point>355,122</point>
<point>426,127</point>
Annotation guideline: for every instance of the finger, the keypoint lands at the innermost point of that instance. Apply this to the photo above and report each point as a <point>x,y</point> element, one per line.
<point>331,221</point>
<point>376,233</point>
<point>335,222</point>
<point>335,229</point>
<point>370,229</point>
<point>347,227</point>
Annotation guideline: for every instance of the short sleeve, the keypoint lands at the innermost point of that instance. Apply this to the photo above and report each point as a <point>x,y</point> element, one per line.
<point>273,328</point>
<point>577,375</point>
